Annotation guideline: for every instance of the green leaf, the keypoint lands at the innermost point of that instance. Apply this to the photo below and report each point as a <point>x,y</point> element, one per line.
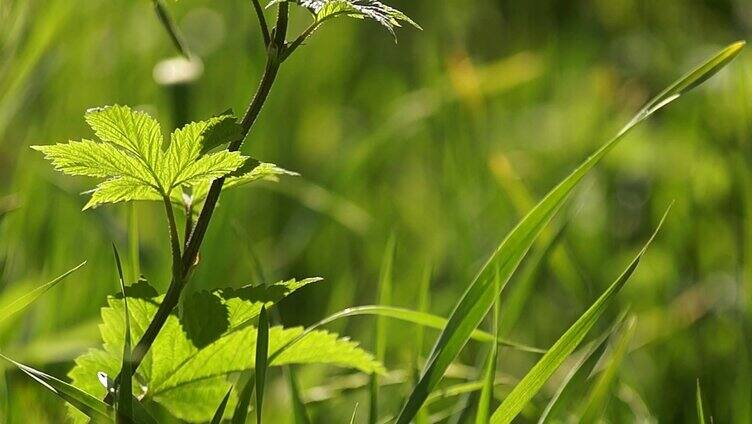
<point>220,412</point>
<point>92,407</point>
<point>259,171</point>
<point>19,304</point>
<point>387,16</point>
<point>222,129</point>
<point>262,354</point>
<point>186,368</point>
<point>567,343</point>
<point>479,296</point>
<point>135,160</point>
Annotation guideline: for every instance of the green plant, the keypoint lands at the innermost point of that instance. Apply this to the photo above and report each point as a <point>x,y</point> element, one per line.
<point>182,361</point>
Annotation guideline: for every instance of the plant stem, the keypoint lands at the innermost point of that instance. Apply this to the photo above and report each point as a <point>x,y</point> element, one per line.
<point>262,93</point>
<point>182,268</point>
<point>262,22</point>
<point>174,239</point>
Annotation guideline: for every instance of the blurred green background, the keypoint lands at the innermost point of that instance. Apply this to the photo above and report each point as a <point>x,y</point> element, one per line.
<point>443,139</point>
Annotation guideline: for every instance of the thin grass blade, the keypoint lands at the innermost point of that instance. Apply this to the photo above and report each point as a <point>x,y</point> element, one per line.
<point>423,302</point>
<point>479,296</point>
<point>299,411</point>
<point>24,301</point>
<point>385,298</point>
<point>489,371</point>
<point>244,399</point>
<point>567,343</point>
<point>354,414</point>
<point>584,355</point>
<point>94,408</point>
<point>406,315</point>
<point>700,409</point>
<point>596,399</point>
<point>124,406</point>
<point>262,354</point>
<point>220,412</point>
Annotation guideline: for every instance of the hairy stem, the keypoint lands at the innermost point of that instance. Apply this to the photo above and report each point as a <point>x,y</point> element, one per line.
<point>262,21</point>
<point>182,268</point>
<point>174,239</point>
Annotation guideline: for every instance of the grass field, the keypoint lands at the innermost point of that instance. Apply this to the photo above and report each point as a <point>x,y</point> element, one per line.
<point>436,145</point>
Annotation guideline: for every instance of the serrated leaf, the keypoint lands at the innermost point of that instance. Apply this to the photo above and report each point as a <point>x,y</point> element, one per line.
<point>137,162</point>
<point>186,368</point>
<point>261,171</point>
<point>387,16</point>
<point>221,130</point>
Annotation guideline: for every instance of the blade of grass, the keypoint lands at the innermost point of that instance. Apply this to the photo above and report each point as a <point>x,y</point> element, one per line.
<point>22,302</point>
<point>489,372</point>
<point>700,411</point>
<point>385,298</point>
<point>262,354</point>
<point>402,314</point>
<point>595,401</point>
<point>582,357</point>
<point>172,30</point>
<point>220,412</point>
<point>567,343</point>
<point>299,412</point>
<point>244,399</point>
<point>423,300</point>
<point>124,406</point>
<point>479,296</point>
<point>354,414</point>
<point>94,408</point>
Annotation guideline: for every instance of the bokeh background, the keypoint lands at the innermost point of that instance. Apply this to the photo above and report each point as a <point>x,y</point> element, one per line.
<point>442,140</point>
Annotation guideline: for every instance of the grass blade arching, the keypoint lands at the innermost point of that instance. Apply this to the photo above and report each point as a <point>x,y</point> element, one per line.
<point>406,315</point>
<point>94,408</point>
<point>22,302</point>
<point>567,343</point>
<point>478,297</point>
